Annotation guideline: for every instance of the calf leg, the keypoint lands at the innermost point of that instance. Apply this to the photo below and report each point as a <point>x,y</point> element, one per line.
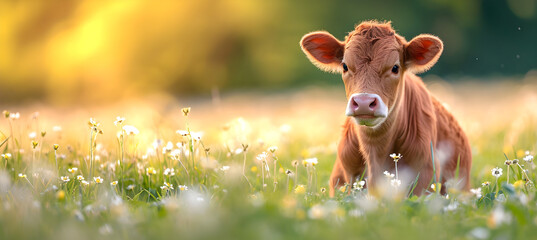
<point>450,171</point>
<point>337,178</point>
<point>350,162</point>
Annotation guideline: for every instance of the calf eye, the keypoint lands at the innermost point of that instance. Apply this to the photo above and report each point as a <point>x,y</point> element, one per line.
<point>395,69</point>
<point>345,68</point>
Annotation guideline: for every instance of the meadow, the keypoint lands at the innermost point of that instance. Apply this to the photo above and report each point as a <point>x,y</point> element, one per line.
<point>253,166</point>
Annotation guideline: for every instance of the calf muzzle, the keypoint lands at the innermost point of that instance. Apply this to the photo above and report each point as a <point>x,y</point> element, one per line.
<point>368,109</point>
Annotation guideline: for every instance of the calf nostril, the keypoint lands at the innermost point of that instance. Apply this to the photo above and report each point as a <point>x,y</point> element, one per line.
<point>355,102</point>
<point>373,104</point>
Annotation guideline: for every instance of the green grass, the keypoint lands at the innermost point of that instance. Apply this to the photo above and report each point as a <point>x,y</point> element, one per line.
<point>227,204</point>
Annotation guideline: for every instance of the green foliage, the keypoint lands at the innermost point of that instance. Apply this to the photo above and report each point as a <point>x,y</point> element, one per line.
<point>209,194</point>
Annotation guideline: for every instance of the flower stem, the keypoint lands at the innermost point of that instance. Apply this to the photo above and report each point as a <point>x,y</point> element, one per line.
<point>33,158</point>
<point>296,175</point>
<point>244,168</point>
<point>497,188</point>
<point>91,154</point>
<point>30,183</point>
<point>309,178</point>
<point>56,161</point>
<point>149,188</point>
<point>287,185</point>
<point>122,149</point>
<point>524,171</point>
<point>507,174</point>
<point>12,135</point>
<point>263,174</point>
<point>275,181</point>
<point>181,162</point>
<point>396,172</point>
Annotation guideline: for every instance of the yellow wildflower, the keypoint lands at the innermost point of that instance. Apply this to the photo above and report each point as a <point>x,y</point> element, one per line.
<point>519,184</point>
<point>300,189</point>
<point>60,195</point>
<point>150,170</point>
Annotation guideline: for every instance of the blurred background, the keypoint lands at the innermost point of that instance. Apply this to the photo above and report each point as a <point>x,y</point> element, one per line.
<point>93,52</point>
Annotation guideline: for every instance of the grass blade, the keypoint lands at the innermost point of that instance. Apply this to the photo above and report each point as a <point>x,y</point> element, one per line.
<point>458,167</point>
<point>414,184</point>
<point>3,142</point>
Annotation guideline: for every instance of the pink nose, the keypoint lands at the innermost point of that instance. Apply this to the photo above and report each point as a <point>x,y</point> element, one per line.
<point>364,104</point>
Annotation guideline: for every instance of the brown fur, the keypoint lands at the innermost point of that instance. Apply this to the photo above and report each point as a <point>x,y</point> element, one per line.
<point>416,118</point>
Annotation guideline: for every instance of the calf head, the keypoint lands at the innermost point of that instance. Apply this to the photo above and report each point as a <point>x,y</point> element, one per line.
<point>372,61</point>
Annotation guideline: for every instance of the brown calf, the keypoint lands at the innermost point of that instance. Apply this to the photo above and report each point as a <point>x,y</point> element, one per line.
<point>389,108</point>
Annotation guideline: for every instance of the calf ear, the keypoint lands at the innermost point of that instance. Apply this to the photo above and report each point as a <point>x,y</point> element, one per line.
<point>422,52</point>
<point>323,50</point>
